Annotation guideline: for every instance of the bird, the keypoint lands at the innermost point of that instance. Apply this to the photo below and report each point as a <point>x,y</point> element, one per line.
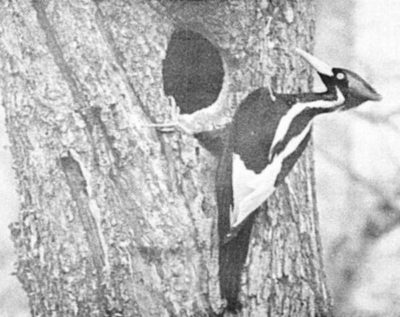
<point>258,149</point>
<point>266,137</point>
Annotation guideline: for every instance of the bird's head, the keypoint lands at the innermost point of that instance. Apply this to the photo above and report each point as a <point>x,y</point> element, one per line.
<point>355,89</point>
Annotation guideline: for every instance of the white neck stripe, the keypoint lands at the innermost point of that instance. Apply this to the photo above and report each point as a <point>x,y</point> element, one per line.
<point>286,120</point>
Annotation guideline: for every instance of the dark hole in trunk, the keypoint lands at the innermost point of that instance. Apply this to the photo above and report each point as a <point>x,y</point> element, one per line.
<point>192,71</point>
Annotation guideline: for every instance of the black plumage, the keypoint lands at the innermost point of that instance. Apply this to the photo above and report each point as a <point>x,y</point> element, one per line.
<point>250,136</point>
<point>259,148</point>
<point>266,138</point>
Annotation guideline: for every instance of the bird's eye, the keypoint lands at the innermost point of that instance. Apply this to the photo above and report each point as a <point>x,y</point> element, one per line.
<point>340,76</point>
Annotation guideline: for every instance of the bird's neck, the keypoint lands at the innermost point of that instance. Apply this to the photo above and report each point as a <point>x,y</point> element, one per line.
<point>328,101</point>
<point>298,118</point>
<point>331,94</point>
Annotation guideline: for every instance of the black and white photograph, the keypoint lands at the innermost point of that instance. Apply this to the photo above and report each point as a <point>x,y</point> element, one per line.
<point>199,158</point>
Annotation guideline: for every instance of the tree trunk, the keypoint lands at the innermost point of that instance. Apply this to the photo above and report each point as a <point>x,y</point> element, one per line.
<point>118,219</point>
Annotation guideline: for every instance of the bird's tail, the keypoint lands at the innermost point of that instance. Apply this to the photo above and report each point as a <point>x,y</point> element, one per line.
<point>232,256</point>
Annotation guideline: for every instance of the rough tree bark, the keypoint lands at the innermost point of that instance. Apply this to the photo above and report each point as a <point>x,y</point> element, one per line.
<point>117,218</point>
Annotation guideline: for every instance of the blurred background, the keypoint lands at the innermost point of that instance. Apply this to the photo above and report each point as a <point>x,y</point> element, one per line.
<point>357,157</point>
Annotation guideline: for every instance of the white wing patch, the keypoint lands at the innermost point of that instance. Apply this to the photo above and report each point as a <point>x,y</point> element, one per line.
<point>250,190</point>
<point>287,119</point>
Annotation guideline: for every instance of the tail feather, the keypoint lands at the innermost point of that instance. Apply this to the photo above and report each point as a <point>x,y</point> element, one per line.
<point>232,257</point>
<point>232,251</point>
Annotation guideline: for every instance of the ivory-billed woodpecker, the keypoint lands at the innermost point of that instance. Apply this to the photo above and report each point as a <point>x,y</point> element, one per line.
<point>259,148</point>
<point>267,136</point>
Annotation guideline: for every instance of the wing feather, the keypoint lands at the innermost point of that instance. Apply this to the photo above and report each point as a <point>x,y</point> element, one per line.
<point>251,189</point>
